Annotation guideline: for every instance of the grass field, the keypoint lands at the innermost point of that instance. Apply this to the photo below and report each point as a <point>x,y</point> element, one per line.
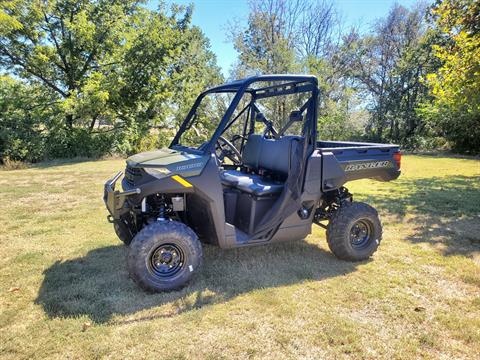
<point>65,292</point>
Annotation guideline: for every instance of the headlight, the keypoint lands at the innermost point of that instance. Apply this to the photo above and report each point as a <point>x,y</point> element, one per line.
<point>159,172</point>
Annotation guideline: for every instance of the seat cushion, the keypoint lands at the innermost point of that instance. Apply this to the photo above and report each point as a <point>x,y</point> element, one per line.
<point>250,183</point>
<point>270,154</point>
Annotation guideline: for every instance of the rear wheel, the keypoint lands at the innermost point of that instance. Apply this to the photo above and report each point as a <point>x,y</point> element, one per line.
<point>164,256</point>
<point>354,231</point>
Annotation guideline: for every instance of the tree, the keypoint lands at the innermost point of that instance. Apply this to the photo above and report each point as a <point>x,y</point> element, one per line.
<point>455,111</point>
<point>388,64</point>
<point>281,34</point>
<point>64,45</point>
<point>318,32</point>
<point>110,66</point>
<point>299,36</point>
<point>21,113</point>
<point>267,44</point>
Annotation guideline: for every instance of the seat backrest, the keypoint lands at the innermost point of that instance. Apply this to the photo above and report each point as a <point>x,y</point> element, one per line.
<point>269,154</point>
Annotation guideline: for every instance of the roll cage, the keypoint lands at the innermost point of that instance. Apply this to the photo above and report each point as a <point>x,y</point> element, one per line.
<point>277,85</point>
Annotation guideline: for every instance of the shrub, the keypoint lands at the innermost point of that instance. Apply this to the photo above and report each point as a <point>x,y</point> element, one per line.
<point>78,142</point>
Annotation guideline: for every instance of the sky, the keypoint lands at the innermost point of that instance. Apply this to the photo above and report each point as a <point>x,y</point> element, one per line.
<point>213,17</point>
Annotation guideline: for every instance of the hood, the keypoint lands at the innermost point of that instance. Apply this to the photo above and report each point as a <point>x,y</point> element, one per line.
<point>161,157</point>
<point>175,161</point>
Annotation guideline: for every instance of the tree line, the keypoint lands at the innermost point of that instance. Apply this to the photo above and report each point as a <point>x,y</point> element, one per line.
<point>412,78</point>
<point>96,77</point>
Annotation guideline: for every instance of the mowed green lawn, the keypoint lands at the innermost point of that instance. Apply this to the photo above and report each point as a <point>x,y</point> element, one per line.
<point>419,296</point>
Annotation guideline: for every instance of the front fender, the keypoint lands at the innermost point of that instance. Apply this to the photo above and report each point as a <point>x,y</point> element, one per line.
<point>174,184</point>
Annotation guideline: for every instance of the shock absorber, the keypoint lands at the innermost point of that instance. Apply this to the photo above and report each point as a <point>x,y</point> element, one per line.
<point>161,209</point>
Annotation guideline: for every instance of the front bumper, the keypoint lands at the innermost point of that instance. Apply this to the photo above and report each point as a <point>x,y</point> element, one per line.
<point>114,199</point>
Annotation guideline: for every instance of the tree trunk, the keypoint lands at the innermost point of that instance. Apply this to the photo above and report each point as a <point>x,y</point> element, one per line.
<point>92,123</point>
<point>69,121</point>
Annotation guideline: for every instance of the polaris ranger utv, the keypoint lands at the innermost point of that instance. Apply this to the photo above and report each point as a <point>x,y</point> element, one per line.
<point>245,168</point>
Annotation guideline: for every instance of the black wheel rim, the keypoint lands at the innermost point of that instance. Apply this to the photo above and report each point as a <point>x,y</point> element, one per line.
<point>167,260</point>
<point>361,234</point>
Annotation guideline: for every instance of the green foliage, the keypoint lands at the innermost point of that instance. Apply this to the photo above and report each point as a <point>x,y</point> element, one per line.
<point>94,77</point>
<point>339,115</point>
<point>77,142</point>
<point>388,65</point>
<point>290,37</point>
<point>263,51</point>
<point>22,120</point>
<point>455,111</point>
<point>114,70</point>
<point>266,44</point>
<point>335,122</point>
<point>408,80</point>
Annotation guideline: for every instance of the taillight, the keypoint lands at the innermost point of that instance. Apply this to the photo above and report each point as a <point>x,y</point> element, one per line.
<point>397,157</point>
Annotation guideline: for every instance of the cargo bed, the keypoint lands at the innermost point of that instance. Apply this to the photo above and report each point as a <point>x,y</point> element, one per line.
<point>344,161</point>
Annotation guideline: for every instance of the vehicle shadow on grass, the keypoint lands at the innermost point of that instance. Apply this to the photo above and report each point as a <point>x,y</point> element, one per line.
<point>97,285</point>
<point>446,211</point>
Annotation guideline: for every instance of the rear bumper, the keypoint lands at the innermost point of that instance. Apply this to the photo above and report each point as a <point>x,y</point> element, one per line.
<point>114,199</point>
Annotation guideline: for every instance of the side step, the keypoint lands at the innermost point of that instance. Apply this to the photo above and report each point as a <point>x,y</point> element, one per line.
<point>241,237</point>
<point>235,237</point>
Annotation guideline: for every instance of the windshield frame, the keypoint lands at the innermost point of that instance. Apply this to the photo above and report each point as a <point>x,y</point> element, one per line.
<point>175,144</point>
<point>240,87</point>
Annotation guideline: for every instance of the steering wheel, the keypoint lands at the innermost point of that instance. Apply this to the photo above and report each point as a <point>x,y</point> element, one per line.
<point>227,150</point>
<point>236,138</point>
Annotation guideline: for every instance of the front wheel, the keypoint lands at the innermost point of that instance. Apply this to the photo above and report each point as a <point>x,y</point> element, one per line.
<point>354,231</point>
<point>164,256</point>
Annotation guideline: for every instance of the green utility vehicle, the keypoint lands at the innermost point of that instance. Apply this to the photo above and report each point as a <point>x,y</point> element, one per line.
<point>245,168</point>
